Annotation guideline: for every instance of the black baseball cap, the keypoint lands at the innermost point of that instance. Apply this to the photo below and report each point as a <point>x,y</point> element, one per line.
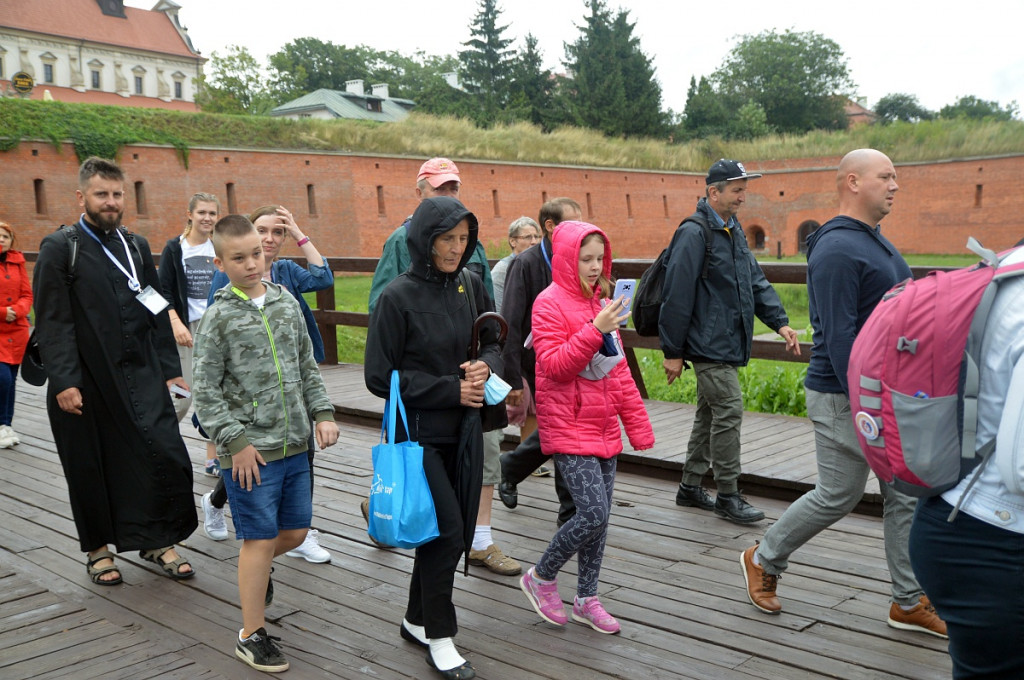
<point>725,170</point>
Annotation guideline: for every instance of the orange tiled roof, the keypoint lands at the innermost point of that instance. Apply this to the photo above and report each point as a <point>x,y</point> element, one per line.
<point>66,94</point>
<point>83,20</point>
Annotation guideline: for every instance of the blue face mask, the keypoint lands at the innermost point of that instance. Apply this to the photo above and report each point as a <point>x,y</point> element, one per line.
<point>495,389</point>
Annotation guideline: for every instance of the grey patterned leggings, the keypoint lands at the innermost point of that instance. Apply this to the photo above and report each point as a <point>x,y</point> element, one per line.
<point>590,480</point>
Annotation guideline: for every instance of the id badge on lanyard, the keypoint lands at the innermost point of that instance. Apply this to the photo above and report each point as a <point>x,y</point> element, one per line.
<point>148,297</point>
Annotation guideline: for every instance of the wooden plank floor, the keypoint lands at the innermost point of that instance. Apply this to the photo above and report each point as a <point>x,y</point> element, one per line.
<point>670,575</point>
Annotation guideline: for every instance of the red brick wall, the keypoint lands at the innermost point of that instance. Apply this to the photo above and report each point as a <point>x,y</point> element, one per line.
<point>937,207</point>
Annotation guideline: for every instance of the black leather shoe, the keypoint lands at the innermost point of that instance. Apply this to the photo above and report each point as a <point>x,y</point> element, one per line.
<point>463,672</point>
<point>507,491</point>
<point>694,497</point>
<point>735,508</point>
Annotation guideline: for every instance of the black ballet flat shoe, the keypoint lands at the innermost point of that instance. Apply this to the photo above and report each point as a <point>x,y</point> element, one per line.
<point>407,635</point>
<point>463,672</point>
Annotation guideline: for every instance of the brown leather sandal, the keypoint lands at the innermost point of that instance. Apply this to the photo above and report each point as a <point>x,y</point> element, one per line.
<point>95,573</point>
<point>172,568</point>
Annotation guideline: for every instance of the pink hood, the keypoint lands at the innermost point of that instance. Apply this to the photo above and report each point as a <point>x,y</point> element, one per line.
<point>566,241</point>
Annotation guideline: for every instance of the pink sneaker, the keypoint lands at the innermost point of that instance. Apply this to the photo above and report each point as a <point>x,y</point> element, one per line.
<point>593,614</point>
<point>544,598</point>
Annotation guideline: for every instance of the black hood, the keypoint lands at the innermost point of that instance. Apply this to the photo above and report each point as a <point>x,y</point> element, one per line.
<point>433,217</point>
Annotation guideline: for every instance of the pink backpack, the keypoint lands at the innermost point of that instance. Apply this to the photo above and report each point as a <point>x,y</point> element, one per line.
<point>913,376</point>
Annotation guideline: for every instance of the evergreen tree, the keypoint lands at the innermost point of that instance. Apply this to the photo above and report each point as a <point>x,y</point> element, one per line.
<point>611,85</point>
<point>531,86</point>
<point>488,64</point>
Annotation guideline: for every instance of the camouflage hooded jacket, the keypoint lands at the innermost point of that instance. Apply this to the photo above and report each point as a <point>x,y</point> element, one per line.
<point>255,380</point>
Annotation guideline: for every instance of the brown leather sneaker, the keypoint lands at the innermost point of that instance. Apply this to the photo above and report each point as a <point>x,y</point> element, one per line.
<point>760,584</point>
<point>495,560</point>
<point>922,619</point>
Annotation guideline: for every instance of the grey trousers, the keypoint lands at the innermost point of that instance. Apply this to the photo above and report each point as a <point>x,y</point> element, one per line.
<point>715,437</point>
<point>842,474</point>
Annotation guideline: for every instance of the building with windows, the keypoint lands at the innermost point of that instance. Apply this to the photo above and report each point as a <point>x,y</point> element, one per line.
<point>354,102</point>
<point>100,52</point>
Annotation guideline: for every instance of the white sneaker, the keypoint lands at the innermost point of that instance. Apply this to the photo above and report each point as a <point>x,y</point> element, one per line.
<point>310,549</point>
<point>8,437</point>
<point>214,525</point>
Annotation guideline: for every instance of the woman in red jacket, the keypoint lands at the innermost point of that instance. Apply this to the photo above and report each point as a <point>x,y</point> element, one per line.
<point>15,301</point>
<point>583,389</point>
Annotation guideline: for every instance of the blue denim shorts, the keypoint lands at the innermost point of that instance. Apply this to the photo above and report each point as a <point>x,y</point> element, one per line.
<point>281,501</point>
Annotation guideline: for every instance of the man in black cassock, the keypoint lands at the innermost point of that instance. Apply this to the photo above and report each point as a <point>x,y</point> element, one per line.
<point>110,356</point>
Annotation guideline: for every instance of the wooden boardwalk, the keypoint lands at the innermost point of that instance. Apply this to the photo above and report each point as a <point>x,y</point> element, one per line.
<point>670,576</point>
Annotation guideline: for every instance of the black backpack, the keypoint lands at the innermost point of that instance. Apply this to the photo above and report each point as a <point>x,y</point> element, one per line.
<point>648,299</point>
<point>32,369</point>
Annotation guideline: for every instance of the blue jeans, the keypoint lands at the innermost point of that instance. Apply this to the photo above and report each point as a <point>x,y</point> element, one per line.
<point>280,502</point>
<point>973,573</point>
<point>8,380</point>
<point>842,474</point>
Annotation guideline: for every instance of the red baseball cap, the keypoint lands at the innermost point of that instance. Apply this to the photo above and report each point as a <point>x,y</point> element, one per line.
<point>437,171</point>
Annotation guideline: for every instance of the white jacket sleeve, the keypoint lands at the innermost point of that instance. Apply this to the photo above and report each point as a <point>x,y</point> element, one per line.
<point>1009,453</point>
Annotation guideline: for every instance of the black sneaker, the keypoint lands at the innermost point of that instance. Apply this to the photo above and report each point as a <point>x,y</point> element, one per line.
<point>694,497</point>
<point>735,508</point>
<point>261,652</point>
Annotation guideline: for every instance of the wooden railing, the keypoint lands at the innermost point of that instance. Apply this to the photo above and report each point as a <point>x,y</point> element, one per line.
<point>328,317</point>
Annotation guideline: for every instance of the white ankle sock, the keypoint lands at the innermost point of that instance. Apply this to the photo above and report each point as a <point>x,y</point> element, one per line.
<point>418,632</point>
<point>444,654</point>
<point>482,538</point>
<point>755,559</point>
<point>537,579</point>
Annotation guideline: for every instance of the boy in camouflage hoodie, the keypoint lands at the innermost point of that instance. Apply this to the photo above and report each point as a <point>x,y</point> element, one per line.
<point>256,387</point>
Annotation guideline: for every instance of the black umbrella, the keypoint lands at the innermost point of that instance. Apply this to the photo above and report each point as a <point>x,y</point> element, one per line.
<point>469,459</point>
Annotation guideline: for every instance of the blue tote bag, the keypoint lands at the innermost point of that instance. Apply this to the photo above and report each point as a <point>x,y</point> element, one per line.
<point>401,505</point>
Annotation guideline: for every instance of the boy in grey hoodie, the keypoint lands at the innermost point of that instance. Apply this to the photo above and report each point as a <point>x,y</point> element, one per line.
<point>256,387</point>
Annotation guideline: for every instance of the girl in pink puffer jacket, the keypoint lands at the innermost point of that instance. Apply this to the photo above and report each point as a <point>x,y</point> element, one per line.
<point>583,389</point>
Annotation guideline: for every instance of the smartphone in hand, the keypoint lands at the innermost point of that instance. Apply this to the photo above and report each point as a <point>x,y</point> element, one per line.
<point>625,288</point>
<point>179,392</point>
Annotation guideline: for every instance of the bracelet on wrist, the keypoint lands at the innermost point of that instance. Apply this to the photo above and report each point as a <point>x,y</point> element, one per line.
<point>302,241</point>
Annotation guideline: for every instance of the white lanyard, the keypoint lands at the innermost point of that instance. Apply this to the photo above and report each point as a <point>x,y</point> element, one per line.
<point>133,277</point>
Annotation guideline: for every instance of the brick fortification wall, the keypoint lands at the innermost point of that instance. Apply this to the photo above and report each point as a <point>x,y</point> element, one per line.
<point>350,203</point>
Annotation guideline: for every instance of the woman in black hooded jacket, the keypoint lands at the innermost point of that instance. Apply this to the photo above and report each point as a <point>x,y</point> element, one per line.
<point>422,327</point>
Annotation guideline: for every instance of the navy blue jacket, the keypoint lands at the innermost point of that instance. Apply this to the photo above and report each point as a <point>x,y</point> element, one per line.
<point>850,266</point>
<point>713,319</point>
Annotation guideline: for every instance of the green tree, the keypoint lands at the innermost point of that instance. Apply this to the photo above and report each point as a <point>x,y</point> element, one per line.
<point>488,63</point>
<point>705,113</point>
<point>750,122</point>
<point>978,109</point>
<point>899,106</point>
<point>235,84</point>
<point>308,64</point>
<point>531,86</point>
<point>800,79</point>
<point>611,85</point>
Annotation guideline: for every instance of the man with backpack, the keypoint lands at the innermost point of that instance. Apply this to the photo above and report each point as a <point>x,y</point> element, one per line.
<point>850,266</point>
<point>713,289</point>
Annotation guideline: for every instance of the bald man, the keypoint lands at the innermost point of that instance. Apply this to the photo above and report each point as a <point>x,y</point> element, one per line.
<point>850,265</point>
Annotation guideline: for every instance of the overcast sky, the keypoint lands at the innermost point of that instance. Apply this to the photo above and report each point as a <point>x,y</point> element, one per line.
<point>922,48</point>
